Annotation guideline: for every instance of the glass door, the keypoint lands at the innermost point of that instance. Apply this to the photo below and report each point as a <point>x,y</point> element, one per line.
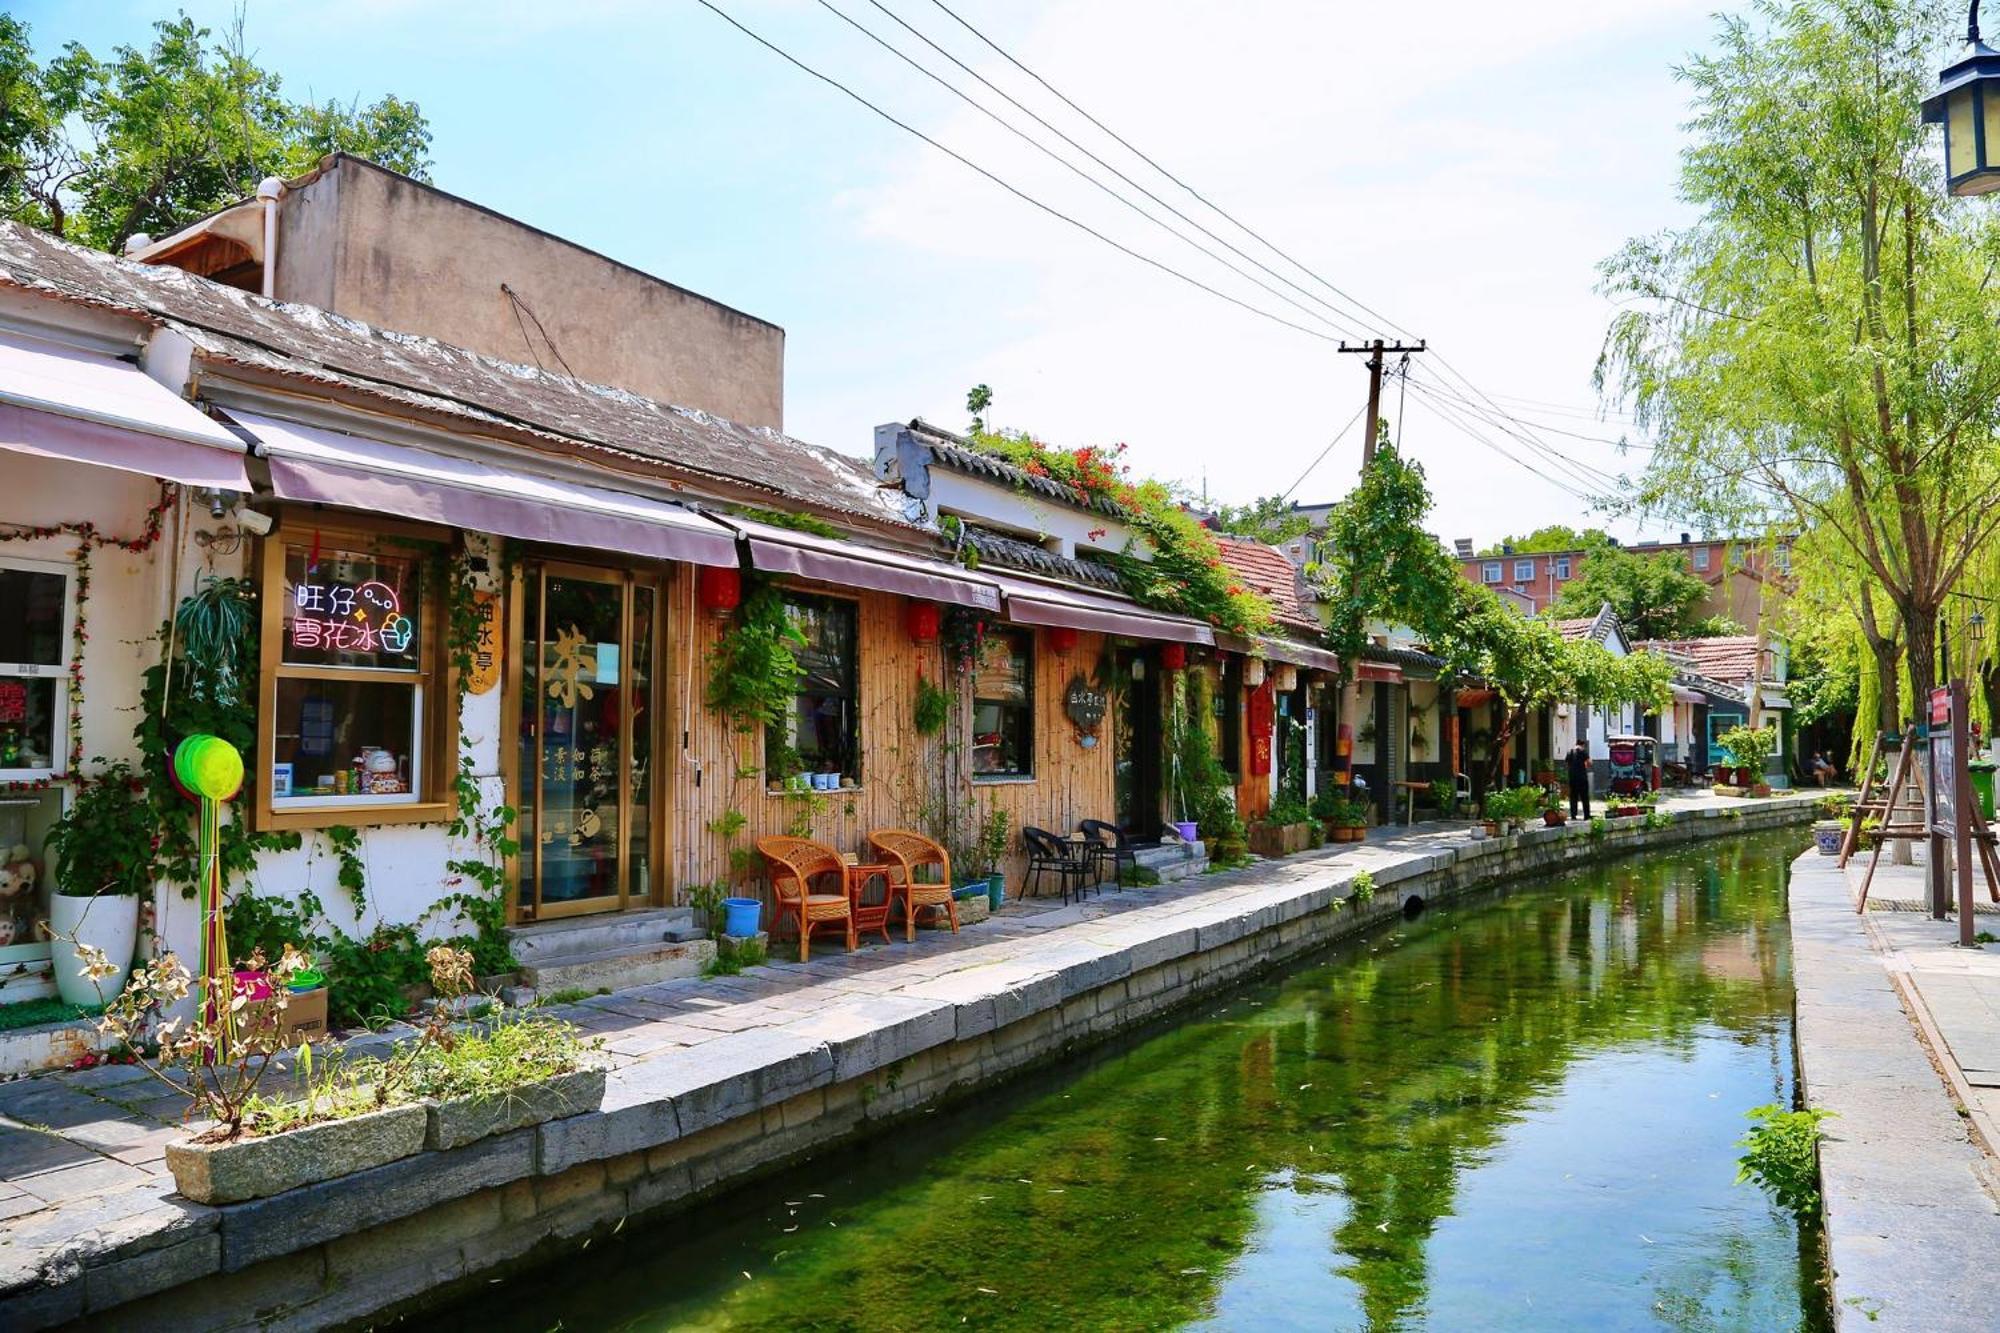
<point>586,744</point>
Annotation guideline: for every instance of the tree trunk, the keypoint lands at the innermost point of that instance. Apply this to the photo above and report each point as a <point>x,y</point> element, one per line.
<point>1920,652</point>
<point>1888,670</point>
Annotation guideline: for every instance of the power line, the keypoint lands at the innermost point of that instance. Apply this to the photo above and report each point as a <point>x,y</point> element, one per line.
<point>1587,473</point>
<point>1010,188</point>
<point>1032,115</point>
<point>1058,158</point>
<point>1324,452</point>
<point>1451,416</point>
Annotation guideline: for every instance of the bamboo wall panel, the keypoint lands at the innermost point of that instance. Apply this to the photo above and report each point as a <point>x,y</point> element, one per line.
<point>903,774</point>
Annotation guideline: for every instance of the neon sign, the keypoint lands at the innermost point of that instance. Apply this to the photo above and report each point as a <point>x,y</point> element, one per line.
<point>347,617</point>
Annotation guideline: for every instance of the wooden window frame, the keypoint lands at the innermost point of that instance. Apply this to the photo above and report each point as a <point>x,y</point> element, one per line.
<point>438,678</point>
<point>59,698</point>
<point>796,594</point>
<point>1026,638</point>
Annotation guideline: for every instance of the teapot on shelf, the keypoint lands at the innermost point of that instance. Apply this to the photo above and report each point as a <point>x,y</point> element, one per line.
<point>381,771</point>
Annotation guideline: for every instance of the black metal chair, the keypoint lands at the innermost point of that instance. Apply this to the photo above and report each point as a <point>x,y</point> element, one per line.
<point>1107,842</point>
<point>1048,853</point>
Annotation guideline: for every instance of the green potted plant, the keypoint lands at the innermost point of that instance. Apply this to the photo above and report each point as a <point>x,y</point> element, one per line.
<point>104,851</point>
<point>1751,748</point>
<point>993,832</point>
<point>1553,815</point>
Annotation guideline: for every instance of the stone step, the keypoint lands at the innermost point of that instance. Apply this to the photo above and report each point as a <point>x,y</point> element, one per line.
<point>619,968</point>
<point>548,942</point>
<point>1163,856</point>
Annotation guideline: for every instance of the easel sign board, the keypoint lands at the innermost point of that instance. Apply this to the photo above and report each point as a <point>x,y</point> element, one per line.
<point>1944,752</point>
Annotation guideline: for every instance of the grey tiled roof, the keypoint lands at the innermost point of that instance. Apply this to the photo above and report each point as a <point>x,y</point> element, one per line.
<point>957,453</point>
<point>320,348</point>
<point>1011,553</point>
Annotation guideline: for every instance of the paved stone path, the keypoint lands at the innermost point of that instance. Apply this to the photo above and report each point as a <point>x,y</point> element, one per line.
<point>82,1153</point>
<point>1911,1207</point>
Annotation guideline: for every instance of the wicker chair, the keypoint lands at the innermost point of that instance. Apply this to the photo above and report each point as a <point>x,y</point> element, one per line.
<point>905,851</point>
<point>794,863</point>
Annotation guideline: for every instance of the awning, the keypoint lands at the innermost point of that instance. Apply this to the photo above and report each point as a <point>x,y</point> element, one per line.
<point>1031,603</point>
<point>1279,650</point>
<point>1684,695</point>
<point>325,467</point>
<point>777,550</point>
<point>1774,698</point>
<point>86,407</point>
<point>1378,673</point>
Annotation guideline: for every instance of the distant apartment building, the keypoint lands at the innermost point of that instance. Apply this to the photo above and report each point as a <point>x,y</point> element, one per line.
<point>1738,572</point>
<point>362,241</point>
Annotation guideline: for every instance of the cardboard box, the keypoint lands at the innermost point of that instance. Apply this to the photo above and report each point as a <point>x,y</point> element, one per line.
<point>304,1017</point>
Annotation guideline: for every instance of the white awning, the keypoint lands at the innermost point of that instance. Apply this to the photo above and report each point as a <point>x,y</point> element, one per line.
<point>85,407</point>
<point>326,467</point>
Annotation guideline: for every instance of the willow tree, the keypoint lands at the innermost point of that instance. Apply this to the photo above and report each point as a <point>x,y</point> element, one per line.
<point>1819,350</point>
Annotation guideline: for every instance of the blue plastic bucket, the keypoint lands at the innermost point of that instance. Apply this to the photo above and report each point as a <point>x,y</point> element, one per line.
<point>739,916</point>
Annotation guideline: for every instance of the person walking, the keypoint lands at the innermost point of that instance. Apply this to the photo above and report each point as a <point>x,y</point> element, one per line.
<point>1578,760</point>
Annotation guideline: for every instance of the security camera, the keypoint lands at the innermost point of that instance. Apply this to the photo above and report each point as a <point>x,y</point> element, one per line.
<point>217,507</point>
<point>254,523</point>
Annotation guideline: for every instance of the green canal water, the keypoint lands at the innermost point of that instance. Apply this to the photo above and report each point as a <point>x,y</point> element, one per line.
<point>1517,1112</point>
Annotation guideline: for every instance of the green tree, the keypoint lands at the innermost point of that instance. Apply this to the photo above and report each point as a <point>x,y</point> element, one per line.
<point>1381,564</point>
<point>1270,519</point>
<point>977,399</point>
<point>1654,595</point>
<point>150,140</point>
<point>1819,351</point>
<point>1554,537</point>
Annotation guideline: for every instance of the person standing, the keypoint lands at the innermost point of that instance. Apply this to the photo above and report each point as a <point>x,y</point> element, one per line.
<point>1578,760</point>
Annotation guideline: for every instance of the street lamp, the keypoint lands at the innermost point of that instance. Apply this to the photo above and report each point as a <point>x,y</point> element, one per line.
<point>1967,104</point>
<point>1975,627</point>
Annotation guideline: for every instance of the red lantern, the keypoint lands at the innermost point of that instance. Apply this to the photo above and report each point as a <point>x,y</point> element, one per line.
<point>1063,639</point>
<point>921,620</point>
<point>720,589</point>
<point>1173,656</point>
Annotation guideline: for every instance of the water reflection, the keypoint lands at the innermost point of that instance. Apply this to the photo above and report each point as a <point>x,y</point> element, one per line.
<point>1515,1114</point>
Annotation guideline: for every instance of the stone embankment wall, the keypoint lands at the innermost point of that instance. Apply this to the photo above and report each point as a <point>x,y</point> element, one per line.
<point>676,1129</point>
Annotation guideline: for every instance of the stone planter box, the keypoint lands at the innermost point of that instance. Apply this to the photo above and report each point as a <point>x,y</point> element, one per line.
<point>1271,840</point>
<point>463,1120</point>
<point>253,1168</point>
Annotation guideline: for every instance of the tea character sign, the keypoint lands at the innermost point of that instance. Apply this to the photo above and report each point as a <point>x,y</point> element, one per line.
<point>1084,705</point>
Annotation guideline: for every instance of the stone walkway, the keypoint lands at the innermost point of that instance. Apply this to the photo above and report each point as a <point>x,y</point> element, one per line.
<point>1899,1036</point>
<point>82,1165</point>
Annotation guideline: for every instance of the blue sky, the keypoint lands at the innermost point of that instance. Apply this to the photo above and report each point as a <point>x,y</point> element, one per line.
<point>1460,167</point>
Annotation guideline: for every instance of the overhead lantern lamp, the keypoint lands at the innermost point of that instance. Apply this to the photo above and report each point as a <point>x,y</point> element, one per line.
<point>1967,104</point>
<point>1975,626</point>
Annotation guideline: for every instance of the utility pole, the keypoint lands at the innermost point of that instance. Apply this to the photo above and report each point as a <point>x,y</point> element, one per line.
<point>1375,348</point>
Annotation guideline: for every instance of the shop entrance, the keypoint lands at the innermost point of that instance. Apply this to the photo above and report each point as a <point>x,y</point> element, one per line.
<point>587,733</point>
<point>1136,734</point>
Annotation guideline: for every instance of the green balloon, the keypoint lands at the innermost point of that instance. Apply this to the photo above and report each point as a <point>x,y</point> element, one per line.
<point>209,767</point>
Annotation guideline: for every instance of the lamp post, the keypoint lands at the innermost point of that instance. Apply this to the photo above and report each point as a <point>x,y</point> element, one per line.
<point>1967,104</point>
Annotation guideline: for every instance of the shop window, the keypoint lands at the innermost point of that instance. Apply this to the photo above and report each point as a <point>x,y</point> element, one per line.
<point>353,681</point>
<point>822,733</point>
<point>36,606</point>
<point>25,820</point>
<point>1003,707</point>
<point>1229,718</point>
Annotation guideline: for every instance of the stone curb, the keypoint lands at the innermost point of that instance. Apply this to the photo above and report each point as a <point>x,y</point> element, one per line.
<point>735,1083</point>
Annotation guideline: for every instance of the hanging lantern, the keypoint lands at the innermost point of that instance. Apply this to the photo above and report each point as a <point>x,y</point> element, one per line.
<point>1253,671</point>
<point>720,588</point>
<point>1288,679</point>
<point>1967,104</point>
<point>921,621</point>
<point>1063,639</point>
<point>1173,656</point>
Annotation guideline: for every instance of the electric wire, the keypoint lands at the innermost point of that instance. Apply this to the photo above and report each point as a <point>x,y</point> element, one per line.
<point>1010,188</point>
<point>1074,169</point>
<point>1321,457</point>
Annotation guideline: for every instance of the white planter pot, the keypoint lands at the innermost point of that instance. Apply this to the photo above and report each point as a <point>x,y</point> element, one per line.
<point>109,922</point>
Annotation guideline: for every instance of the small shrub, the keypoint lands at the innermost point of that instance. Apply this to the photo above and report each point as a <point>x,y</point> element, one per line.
<point>1781,1153</point>
<point>567,995</point>
<point>1598,826</point>
<point>1364,887</point>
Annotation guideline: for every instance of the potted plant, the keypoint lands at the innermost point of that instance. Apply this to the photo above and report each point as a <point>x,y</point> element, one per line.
<point>1751,748</point>
<point>993,850</point>
<point>1342,819</point>
<point>1444,794</point>
<point>104,851</point>
<point>520,1072</point>
<point>1828,834</point>
<point>1553,815</point>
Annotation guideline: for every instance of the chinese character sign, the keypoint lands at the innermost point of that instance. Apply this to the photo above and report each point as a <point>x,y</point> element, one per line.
<point>351,609</point>
<point>486,659</point>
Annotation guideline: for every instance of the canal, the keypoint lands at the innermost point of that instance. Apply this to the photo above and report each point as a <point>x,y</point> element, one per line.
<point>1517,1112</point>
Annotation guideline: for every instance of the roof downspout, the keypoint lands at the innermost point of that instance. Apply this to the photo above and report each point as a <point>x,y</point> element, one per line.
<point>270,191</point>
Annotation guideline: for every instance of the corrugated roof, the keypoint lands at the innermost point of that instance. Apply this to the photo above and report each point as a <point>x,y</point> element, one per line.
<point>1731,659</point>
<point>1265,571</point>
<point>419,372</point>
